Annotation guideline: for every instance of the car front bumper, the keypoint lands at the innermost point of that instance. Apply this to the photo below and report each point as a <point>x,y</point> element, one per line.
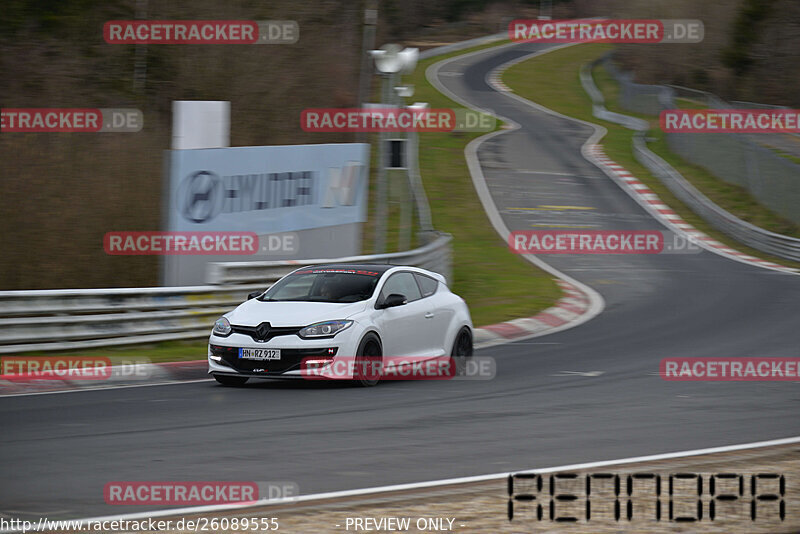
<point>223,354</point>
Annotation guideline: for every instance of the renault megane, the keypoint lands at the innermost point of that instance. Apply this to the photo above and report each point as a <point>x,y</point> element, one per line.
<point>327,313</point>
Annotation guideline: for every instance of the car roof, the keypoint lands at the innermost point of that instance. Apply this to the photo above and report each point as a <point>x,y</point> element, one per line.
<point>375,267</point>
<point>380,268</point>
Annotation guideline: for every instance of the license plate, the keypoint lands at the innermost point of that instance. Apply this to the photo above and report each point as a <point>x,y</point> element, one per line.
<point>260,354</point>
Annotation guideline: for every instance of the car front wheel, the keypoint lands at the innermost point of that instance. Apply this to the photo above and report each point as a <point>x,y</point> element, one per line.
<point>368,362</point>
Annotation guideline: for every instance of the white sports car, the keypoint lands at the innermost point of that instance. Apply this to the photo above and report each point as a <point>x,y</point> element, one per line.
<point>328,313</point>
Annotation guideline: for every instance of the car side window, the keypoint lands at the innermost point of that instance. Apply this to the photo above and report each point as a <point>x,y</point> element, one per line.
<point>402,283</point>
<point>427,284</point>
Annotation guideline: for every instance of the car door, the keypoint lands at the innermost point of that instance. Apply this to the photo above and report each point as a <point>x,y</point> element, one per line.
<point>438,313</point>
<point>404,330</point>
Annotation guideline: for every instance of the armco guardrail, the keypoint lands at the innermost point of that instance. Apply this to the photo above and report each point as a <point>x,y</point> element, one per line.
<point>455,47</point>
<point>64,319</point>
<point>752,161</point>
<point>744,232</point>
<point>435,256</point>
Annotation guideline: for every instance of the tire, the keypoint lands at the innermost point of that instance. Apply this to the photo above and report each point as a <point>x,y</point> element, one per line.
<point>227,380</point>
<point>369,358</point>
<point>462,350</point>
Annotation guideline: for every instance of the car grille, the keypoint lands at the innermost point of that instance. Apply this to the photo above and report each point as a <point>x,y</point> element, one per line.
<point>272,331</point>
<point>290,359</point>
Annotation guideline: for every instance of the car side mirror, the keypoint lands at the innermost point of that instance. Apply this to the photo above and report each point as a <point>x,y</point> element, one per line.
<point>253,295</point>
<point>393,300</point>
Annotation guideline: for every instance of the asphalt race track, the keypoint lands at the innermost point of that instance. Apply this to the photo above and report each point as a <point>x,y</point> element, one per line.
<point>545,407</point>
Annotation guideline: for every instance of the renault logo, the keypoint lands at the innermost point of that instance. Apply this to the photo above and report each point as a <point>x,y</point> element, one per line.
<point>262,331</point>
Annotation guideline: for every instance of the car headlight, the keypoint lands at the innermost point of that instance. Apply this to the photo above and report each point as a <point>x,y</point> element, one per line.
<point>324,329</point>
<point>222,327</point>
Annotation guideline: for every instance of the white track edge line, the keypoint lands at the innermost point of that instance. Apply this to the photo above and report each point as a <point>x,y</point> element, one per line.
<point>433,483</point>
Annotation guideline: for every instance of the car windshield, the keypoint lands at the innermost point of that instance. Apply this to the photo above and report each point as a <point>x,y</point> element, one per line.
<point>324,285</point>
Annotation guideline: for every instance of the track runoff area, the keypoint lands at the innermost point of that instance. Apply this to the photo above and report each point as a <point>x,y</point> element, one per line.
<point>734,488</point>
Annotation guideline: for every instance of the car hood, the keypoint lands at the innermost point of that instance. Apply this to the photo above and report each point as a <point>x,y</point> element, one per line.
<point>254,312</point>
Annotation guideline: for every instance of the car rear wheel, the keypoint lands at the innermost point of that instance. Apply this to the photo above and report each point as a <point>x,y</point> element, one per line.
<point>368,362</point>
<point>462,350</point>
<point>227,380</point>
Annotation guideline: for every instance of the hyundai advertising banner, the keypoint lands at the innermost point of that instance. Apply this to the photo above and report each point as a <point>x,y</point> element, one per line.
<point>267,189</point>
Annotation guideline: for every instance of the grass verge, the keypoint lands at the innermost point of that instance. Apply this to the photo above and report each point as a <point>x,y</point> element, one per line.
<point>783,154</point>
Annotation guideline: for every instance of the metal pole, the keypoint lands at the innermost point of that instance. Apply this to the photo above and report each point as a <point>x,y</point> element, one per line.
<point>404,239</point>
<point>415,181</point>
<point>381,189</point>
<point>368,43</point>
<point>404,234</point>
